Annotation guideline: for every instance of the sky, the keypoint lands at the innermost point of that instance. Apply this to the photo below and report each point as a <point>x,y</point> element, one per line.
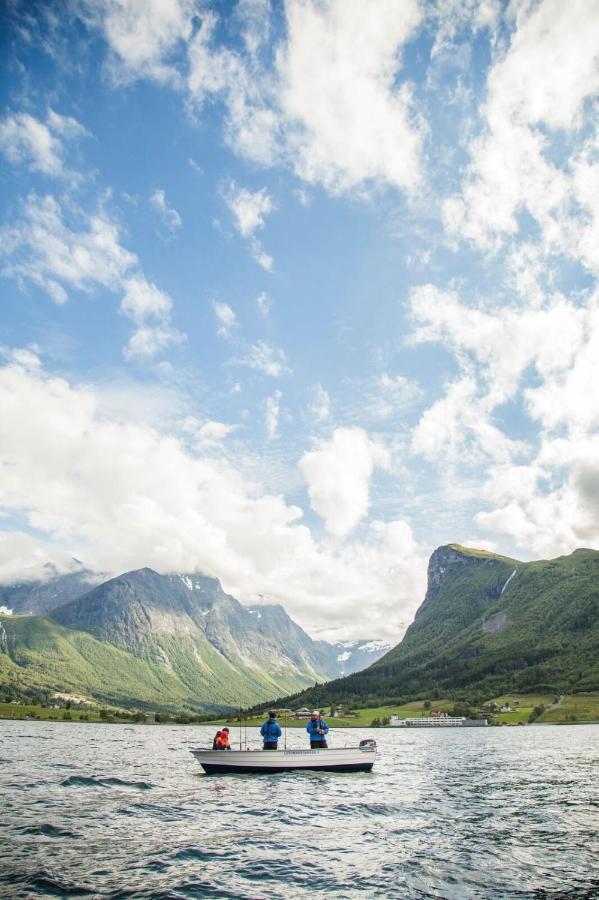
<point>294,292</point>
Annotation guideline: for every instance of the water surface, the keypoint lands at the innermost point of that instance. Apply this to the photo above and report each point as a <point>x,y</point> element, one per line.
<point>124,811</point>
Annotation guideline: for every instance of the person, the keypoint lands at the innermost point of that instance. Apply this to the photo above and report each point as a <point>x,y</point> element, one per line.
<point>222,741</point>
<point>270,731</point>
<point>318,729</point>
<point>216,737</point>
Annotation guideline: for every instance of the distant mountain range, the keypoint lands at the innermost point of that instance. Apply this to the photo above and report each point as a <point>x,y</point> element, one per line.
<point>160,641</point>
<point>488,624</point>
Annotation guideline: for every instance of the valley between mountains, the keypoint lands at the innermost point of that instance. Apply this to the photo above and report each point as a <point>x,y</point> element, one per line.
<point>488,624</point>
<point>159,642</point>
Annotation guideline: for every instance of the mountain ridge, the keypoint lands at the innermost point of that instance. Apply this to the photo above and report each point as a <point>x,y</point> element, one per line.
<point>218,651</point>
<point>488,624</point>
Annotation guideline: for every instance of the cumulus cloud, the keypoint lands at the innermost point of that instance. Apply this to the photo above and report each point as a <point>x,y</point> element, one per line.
<point>320,404</point>
<point>338,474</point>
<point>121,495</point>
<point>208,434</point>
<point>271,414</point>
<point>43,247</point>
<point>250,210</point>
<point>537,92</point>
<point>225,318</point>
<point>265,358</point>
<point>170,216</point>
<point>143,300</point>
<point>143,35</point>
<point>542,359</point>
<point>38,145</point>
<point>264,304</point>
<point>150,340</point>
<point>347,119</point>
<point>333,107</point>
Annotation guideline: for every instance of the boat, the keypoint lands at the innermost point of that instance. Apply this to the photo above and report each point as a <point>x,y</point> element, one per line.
<point>436,722</point>
<point>342,759</point>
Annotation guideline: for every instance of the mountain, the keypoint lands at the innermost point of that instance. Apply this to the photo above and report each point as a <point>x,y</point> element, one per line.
<point>331,659</point>
<point>488,624</point>
<point>176,640</point>
<point>353,656</point>
<point>48,592</point>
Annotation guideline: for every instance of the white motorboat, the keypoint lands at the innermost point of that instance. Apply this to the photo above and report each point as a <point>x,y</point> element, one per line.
<point>342,759</point>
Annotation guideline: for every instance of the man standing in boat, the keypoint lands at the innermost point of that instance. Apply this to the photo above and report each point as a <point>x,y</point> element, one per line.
<point>270,731</point>
<point>318,729</point>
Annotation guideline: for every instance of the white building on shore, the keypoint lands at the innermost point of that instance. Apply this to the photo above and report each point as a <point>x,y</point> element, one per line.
<point>436,722</point>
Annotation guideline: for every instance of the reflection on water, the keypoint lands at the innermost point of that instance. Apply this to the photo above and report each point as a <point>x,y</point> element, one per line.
<point>122,811</point>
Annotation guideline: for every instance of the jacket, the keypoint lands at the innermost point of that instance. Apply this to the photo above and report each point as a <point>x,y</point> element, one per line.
<point>222,742</point>
<point>271,731</point>
<point>313,729</point>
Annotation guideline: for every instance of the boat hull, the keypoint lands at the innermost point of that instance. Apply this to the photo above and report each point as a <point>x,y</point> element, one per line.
<point>269,762</point>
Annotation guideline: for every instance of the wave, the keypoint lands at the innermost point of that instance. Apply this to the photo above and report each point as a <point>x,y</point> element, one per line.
<point>47,830</point>
<point>93,781</point>
<point>47,884</point>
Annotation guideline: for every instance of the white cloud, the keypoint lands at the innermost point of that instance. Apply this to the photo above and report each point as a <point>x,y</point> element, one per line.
<point>225,318</point>
<point>150,309</point>
<point>42,248</point>
<point>265,358</point>
<point>210,433</point>
<point>543,359</point>
<point>121,495</point>
<point>536,92</point>
<point>250,210</point>
<point>25,558</point>
<point>347,120</point>
<point>332,106</point>
<point>251,122</point>
<point>143,300</point>
<point>24,139</point>
<point>271,414</point>
<point>548,507</point>
<point>170,215</point>
<point>150,340</point>
<point>338,474</point>
<point>143,35</point>
<point>264,304</point>
<point>320,405</point>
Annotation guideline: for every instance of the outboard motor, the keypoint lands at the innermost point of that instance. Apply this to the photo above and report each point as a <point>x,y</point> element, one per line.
<point>368,744</point>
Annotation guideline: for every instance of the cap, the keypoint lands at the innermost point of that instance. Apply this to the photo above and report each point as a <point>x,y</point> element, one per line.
<point>316,712</point>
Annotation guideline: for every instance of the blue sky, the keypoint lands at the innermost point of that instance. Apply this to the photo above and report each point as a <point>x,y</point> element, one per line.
<point>293,293</point>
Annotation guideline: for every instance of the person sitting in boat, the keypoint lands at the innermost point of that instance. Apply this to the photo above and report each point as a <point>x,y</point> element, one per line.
<point>271,731</point>
<point>222,740</point>
<point>216,737</point>
<point>318,729</point>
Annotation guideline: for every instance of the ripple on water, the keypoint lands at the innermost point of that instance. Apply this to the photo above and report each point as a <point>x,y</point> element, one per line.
<point>458,816</point>
<point>47,830</point>
<point>95,781</point>
<point>45,884</point>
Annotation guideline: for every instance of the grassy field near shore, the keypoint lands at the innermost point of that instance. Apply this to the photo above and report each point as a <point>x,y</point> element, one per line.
<point>569,709</point>
<point>572,708</point>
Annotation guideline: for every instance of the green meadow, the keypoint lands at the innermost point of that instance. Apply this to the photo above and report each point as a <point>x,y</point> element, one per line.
<point>547,709</point>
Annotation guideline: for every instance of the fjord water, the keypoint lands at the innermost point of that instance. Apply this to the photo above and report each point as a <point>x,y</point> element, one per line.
<point>124,811</point>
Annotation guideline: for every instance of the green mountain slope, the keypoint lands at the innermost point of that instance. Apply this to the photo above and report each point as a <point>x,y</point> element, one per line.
<point>161,640</point>
<point>489,624</point>
<point>38,654</point>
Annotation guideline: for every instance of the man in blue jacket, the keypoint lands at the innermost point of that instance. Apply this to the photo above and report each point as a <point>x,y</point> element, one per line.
<point>270,731</point>
<point>318,729</point>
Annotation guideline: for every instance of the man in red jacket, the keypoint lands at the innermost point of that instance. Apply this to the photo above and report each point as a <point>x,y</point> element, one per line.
<point>222,741</point>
